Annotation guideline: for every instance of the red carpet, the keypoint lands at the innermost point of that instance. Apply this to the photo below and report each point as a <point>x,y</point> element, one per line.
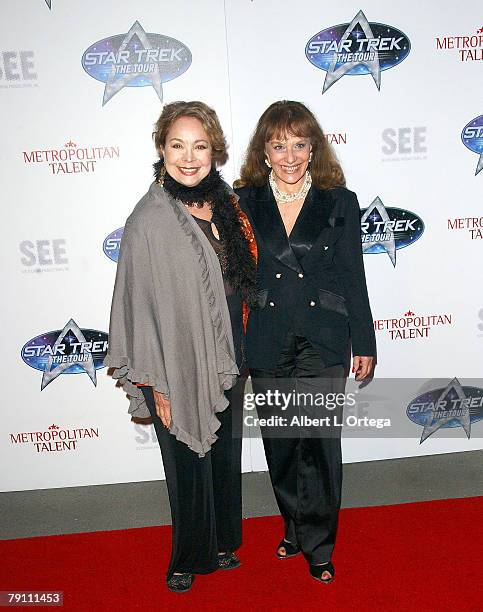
<point>425,556</point>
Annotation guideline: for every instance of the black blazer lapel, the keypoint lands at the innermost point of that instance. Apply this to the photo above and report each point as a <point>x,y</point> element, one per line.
<point>269,225</point>
<point>314,217</point>
<point>325,230</point>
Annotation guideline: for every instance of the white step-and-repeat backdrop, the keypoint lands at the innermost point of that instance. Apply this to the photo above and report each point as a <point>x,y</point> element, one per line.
<point>398,89</point>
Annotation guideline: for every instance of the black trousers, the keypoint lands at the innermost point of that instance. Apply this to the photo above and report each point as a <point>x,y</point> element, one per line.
<point>305,468</point>
<point>204,492</point>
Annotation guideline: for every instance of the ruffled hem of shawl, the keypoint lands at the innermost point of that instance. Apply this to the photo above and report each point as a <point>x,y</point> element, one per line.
<point>203,446</point>
<point>127,377</point>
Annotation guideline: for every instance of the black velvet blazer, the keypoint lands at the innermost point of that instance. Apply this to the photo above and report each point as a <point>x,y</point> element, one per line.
<point>315,283</point>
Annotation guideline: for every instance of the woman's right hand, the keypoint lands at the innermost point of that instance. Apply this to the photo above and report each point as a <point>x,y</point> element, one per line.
<point>163,408</point>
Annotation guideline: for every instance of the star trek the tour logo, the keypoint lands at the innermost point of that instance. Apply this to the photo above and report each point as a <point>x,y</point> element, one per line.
<point>71,158</point>
<point>452,406</point>
<point>136,59</point>
<point>71,350</point>
<point>357,48</point>
<point>411,325</point>
<point>387,229</point>
<point>470,48</point>
<point>112,244</point>
<point>472,137</point>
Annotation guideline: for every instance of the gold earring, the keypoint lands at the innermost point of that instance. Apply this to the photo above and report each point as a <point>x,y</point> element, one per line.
<point>162,174</point>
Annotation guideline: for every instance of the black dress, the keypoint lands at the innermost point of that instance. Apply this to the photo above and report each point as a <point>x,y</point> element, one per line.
<point>205,492</point>
<point>234,301</point>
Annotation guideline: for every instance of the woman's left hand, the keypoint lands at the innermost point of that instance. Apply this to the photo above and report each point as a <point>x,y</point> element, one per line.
<point>363,367</point>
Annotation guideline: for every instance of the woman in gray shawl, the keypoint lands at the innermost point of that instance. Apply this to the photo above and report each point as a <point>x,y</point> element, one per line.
<point>185,278</point>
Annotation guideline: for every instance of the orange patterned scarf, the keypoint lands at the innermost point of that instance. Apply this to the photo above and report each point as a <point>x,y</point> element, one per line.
<point>252,247</point>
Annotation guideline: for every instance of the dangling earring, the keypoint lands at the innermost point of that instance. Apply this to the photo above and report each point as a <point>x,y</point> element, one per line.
<point>310,157</point>
<point>267,162</point>
<point>162,173</point>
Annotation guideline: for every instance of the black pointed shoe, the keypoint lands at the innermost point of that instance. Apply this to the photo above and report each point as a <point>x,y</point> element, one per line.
<point>318,571</point>
<point>180,583</point>
<point>228,561</point>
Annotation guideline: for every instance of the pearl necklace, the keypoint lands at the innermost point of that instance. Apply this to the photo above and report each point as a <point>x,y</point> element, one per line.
<point>283,197</point>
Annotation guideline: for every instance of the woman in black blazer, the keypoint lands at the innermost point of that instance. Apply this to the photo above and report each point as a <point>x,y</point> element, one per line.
<point>313,308</point>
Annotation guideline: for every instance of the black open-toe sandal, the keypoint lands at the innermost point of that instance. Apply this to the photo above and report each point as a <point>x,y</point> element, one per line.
<point>317,572</point>
<point>290,549</point>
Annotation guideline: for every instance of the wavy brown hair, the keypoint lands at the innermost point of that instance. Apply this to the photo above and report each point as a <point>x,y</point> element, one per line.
<point>207,117</point>
<point>289,117</point>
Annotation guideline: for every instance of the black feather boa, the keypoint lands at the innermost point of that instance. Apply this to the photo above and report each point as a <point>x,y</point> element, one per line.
<point>240,269</point>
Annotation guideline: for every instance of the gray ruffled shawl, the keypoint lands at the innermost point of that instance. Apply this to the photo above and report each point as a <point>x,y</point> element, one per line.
<point>170,326</point>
